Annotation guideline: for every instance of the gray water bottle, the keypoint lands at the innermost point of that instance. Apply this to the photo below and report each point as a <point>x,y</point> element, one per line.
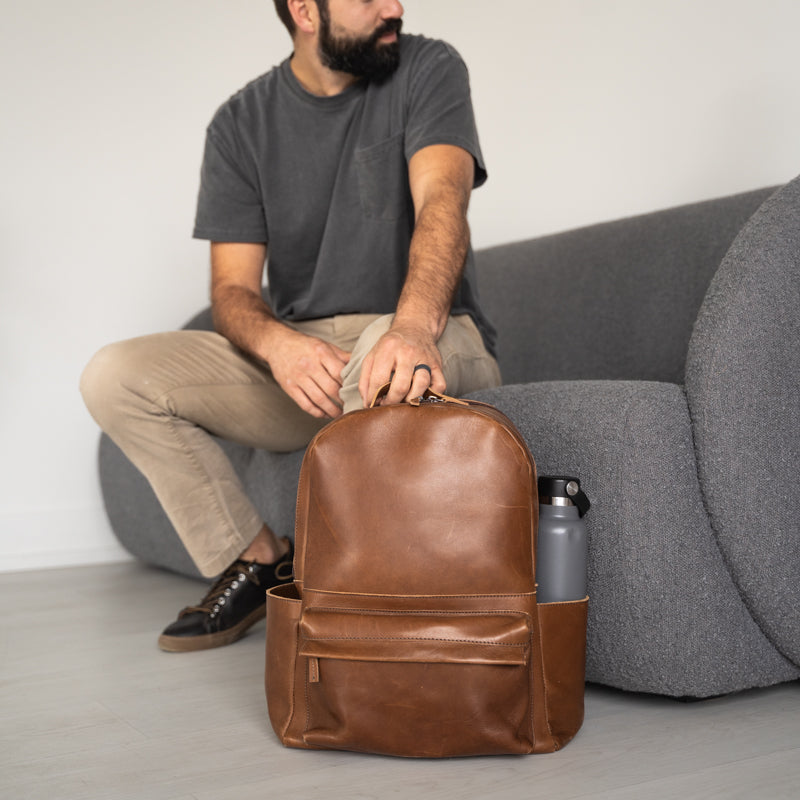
<point>562,543</point>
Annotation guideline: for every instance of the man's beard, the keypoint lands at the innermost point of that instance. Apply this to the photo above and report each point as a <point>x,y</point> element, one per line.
<point>362,57</point>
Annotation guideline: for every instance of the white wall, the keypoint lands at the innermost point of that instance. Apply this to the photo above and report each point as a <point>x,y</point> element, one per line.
<point>587,110</point>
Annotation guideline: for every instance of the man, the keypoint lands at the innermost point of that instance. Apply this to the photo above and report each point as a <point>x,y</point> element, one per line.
<point>349,167</point>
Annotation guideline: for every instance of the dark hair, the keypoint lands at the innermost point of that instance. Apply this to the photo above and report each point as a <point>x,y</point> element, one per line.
<point>282,7</point>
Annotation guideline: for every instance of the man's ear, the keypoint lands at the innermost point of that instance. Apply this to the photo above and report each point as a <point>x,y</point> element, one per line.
<point>305,15</point>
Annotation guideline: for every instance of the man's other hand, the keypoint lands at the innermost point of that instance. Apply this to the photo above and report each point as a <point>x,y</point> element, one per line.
<point>309,371</point>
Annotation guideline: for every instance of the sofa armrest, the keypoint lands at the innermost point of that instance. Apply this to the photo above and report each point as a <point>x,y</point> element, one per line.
<point>743,386</point>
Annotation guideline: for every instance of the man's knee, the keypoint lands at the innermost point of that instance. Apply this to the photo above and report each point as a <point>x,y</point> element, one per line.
<point>468,366</point>
<point>108,380</point>
<point>351,374</point>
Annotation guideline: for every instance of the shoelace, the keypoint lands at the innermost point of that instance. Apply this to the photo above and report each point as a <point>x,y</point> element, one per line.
<point>216,597</point>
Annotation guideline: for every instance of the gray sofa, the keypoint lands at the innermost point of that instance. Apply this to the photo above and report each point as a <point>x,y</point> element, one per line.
<point>658,359</point>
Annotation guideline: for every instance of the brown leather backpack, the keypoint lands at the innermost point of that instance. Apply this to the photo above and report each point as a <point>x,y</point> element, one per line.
<point>412,627</point>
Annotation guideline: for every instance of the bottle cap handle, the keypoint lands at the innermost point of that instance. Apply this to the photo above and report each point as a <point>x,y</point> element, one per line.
<point>566,488</point>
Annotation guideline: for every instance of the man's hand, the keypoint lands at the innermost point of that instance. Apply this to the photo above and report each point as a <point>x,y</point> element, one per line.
<point>400,351</point>
<point>308,370</point>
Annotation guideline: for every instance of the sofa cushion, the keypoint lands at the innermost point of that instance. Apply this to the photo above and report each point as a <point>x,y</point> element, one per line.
<point>664,613</point>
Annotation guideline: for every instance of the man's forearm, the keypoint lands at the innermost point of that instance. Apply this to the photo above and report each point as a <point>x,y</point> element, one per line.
<point>440,177</point>
<point>436,262</point>
<point>242,317</point>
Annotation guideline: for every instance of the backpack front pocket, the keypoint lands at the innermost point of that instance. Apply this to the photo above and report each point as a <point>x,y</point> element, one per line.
<point>418,683</point>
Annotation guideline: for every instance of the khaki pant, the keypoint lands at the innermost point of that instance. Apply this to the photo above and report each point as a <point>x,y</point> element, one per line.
<point>161,397</point>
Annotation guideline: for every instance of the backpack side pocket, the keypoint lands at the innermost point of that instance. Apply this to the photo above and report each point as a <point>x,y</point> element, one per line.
<point>563,631</point>
<point>284,676</point>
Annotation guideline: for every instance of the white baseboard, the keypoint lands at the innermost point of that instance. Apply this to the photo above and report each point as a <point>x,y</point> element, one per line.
<point>19,562</point>
<point>46,538</point>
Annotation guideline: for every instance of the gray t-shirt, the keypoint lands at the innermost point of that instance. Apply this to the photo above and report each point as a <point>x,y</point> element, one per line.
<point>324,181</point>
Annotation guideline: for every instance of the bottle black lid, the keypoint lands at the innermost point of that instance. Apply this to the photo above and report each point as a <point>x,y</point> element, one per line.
<point>566,487</point>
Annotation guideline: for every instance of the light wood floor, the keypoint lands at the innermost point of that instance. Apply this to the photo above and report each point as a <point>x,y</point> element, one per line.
<point>92,709</point>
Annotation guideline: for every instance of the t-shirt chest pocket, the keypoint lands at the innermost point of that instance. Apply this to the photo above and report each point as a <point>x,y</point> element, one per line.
<point>383,179</point>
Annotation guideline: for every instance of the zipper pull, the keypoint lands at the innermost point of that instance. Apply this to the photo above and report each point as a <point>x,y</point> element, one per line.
<point>430,397</point>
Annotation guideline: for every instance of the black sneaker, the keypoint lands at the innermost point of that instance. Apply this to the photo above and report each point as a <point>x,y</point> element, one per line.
<point>235,602</point>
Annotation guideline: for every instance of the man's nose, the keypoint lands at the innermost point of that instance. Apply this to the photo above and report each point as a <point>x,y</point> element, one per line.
<point>393,10</point>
